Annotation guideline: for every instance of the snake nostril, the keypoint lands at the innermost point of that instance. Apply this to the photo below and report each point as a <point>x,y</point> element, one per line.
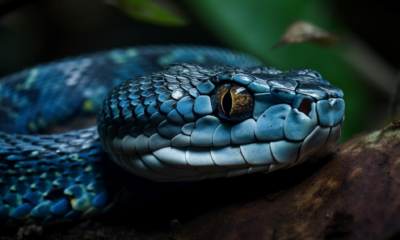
<point>305,106</point>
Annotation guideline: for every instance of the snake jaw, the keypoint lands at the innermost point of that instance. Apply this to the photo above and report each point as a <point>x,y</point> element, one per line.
<point>178,133</point>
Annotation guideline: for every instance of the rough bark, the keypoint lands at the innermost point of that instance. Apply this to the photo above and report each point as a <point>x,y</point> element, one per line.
<point>354,193</point>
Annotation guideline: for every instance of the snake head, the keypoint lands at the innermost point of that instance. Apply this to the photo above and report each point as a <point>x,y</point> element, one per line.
<point>188,123</point>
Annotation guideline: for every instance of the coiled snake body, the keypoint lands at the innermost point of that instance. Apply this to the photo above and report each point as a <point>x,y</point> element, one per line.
<point>221,115</point>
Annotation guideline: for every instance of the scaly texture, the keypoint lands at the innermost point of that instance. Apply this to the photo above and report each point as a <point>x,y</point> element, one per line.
<point>186,122</point>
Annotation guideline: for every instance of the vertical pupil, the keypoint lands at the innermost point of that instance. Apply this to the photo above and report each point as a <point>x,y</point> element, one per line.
<point>227,103</point>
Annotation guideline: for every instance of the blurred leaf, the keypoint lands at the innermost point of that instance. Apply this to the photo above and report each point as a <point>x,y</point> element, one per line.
<point>157,12</point>
<point>255,26</point>
<point>301,31</point>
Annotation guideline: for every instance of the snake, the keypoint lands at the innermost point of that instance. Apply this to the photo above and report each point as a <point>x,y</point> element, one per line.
<point>165,115</point>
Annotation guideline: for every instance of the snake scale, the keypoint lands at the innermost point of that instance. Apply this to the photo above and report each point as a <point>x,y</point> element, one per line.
<point>174,113</point>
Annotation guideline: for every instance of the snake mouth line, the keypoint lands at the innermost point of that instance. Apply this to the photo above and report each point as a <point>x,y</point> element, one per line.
<point>195,163</point>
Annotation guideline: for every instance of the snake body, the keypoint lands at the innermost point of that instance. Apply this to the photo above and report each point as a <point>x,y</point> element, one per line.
<point>221,115</point>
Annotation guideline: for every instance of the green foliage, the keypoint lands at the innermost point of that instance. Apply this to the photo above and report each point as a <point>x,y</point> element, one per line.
<point>256,26</point>
<point>147,11</point>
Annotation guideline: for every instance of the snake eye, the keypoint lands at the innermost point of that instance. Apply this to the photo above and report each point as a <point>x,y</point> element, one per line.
<point>232,102</point>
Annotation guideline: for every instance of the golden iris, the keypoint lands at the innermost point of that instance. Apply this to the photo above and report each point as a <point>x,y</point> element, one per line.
<point>233,102</point>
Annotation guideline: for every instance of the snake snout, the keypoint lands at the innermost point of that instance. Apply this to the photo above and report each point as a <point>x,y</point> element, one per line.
<point>330,111</point>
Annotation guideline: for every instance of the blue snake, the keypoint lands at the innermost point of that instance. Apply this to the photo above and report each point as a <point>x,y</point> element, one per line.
<point>174,113</point>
